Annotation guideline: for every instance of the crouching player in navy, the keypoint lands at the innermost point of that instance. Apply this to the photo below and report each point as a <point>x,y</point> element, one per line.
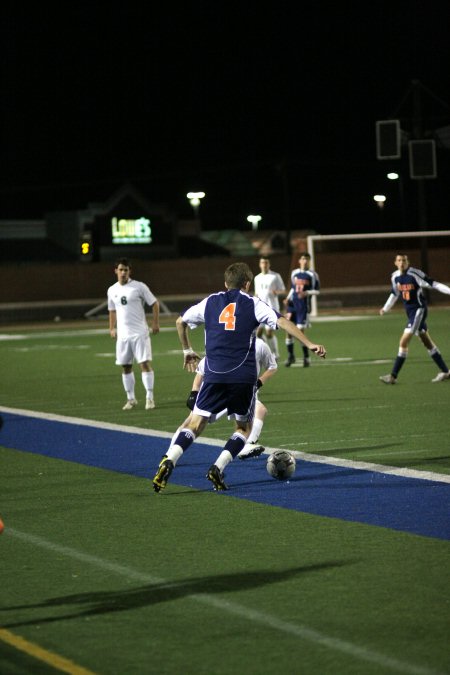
<point>266,366</point>
<point>407,283</point>
<point>230,320</point>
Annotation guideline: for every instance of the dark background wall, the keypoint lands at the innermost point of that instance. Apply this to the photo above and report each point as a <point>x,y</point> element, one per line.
<point>190,277</point>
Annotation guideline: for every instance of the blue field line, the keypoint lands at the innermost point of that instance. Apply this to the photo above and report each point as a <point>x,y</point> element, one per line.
<point>407,504</point>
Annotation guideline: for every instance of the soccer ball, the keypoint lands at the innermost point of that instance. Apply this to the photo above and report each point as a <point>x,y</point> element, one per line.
<point>281,465</point>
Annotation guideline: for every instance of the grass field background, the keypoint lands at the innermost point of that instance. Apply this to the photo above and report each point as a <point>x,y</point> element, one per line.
<point>105,576</point>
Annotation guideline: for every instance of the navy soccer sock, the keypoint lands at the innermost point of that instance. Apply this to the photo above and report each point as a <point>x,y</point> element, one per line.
<point>398,364</point>
<point>185,439</point>
<point>437,358</point>
<point>235,444</point>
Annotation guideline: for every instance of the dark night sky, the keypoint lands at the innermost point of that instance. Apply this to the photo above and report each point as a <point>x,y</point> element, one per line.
<point>219,97</point>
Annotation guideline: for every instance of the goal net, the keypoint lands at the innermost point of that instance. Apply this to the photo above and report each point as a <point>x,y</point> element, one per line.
<point>355,268</point>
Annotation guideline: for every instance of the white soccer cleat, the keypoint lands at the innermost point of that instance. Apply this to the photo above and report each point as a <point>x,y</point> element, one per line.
<point>387,379</point>
<point>251,450</point>
<point>131,403</point>
<point>440,377</point>
<point>149,404</point>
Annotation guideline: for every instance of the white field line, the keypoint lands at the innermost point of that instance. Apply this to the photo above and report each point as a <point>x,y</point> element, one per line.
<point>335,461</point>
<point>4,337</point>
<point>164,329</point>
<point>302,632</point>
<point>338,361</point>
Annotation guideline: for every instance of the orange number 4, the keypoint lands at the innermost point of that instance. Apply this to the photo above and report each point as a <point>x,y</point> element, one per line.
<point>228,317</point>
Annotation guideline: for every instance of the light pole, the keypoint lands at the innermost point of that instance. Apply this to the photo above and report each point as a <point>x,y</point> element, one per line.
<point>194,200</point>
<point>254,220</point>
<point>380,201</point>
<point>393,175</point>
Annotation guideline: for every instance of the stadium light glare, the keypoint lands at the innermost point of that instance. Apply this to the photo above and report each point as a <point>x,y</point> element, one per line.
<point>194,200</point>
<point>254,220</point>
<point>380,200</point>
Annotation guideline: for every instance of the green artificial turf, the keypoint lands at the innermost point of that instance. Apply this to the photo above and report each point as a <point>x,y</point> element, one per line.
<point>98,569</point>
<point>119,580</point>
<point>338,407</point>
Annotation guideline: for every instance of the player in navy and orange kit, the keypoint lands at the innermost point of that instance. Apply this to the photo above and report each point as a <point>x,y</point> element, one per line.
<point>230,320</point>
<point>267,367</point>
<point>407,283</point>
<point>304,284</point>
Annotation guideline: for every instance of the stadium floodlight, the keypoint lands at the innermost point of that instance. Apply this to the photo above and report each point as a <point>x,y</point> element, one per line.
<point>380,200</point>
<point>254,220</point>
<point>388,139</point>
<point>194,200</point>
<point>422,159</point>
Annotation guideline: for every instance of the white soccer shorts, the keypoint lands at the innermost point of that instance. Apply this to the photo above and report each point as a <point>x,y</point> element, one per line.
<point>137,349</point>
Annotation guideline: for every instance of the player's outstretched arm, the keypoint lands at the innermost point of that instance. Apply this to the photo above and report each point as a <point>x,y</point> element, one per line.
<point>191,359</point>
<point>292,329</point>
<point>443,288</point>
<point>388,305</point>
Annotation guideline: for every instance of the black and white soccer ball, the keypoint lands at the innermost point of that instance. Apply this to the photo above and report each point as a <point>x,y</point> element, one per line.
<point>281,465</point>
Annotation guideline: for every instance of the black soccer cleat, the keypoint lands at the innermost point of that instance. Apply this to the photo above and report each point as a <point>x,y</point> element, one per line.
<point>290,360</point>
<point>163,474</point>
<point>217,478</point>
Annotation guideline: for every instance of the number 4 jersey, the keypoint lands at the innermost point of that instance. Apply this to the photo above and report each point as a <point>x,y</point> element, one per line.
<point>230,319</point>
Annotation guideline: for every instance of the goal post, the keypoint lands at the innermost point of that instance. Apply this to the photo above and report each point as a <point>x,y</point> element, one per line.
<point>420,237</point>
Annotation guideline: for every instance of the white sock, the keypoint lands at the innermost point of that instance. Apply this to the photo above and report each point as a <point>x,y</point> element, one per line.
<point>174,453</point>
<point>148,380</point>
<point>223,459</point>
<point>128,385</point>
<point>256,431</point>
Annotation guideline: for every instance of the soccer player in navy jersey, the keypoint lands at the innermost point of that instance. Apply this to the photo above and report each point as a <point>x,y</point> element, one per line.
<point>304,284</point>
<point>266,366</point>
<point>230,320</point>
<point>407,283</point>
